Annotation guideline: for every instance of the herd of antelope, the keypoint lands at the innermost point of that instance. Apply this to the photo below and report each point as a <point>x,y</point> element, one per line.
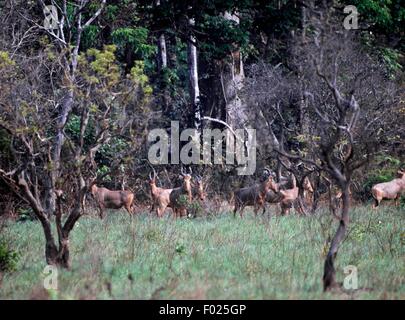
<point>256,195</point>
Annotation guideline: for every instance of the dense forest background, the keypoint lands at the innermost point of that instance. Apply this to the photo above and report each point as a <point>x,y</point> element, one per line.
<point>83,97</point>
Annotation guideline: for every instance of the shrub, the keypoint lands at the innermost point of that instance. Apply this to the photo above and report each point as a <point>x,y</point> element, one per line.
<point>195,209</point>
<point>8,257</point>
<point>25,214</point>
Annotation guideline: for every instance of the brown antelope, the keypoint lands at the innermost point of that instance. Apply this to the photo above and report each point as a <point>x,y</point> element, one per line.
<point>163,202</point>
<point>288,197</point>
<point>254,195</point>
<point>272,198</point>
<point>198,189</point>
<point>307,186</point>
<point>275,197</point>
<point>160,196</point>
<point>112,199</point>
<point>389,190</point>
<point>179,195</point>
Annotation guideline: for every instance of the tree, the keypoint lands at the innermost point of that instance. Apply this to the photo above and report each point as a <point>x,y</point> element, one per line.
<point>59,109</point>
<point>347,125</point>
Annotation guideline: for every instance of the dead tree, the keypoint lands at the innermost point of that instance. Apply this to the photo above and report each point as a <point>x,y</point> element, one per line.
<point>338,75</point>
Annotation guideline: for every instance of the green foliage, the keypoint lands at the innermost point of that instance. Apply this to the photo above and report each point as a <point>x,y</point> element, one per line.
<point>180,248</point>
<point>113,97</point>
<point>103,169</point>
<point>387,15</point>
<point>140,78</point>
<point>224,37</point>
<point>111,11</point>
<point>195,209</point>
<point>73,130</point>
<point>135,39</point>
<point>104,65</point>
<point>8,257</point>
<point>5,60</point>
<point>89,37</point>
<point>183,200</point>
<point>170,77</point>
<point>111,149</point>
<point>359,232</point>
<point>391,59</point>
<point>25,214</point>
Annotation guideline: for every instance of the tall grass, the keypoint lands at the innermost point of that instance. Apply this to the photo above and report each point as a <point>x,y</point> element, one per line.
<point>213,258</point>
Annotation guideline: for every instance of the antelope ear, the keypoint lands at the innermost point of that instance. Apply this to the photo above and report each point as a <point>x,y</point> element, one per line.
<point>181,177</point>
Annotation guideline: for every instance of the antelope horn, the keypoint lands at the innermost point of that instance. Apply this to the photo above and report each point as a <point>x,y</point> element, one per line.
<point>154,172</point>
<point>191,171</point>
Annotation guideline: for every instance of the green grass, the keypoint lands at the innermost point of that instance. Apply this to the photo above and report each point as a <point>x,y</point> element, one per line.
<point>213,258</point>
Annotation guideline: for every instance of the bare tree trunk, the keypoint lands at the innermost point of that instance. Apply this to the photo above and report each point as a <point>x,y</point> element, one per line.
<point>329,276</point>
<point>232,77</point>
<point>66,107</point>
<point>162,61</point>
<point>193,76</point>
<point>161,44</point>
<point>303,22</point>
<point>162,65</point>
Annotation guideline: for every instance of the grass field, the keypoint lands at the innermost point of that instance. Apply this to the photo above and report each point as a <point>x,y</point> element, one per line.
<point>215,257</point>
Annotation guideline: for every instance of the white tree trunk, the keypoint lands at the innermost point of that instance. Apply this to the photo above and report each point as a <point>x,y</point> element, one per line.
<point>162,52</point>
<point>232,78</point>
<point>193,77</point>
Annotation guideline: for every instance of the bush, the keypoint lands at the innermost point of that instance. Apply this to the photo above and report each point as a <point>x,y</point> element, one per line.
<point>25,214</point>
<point>8,257</point>
<point>195,209</point>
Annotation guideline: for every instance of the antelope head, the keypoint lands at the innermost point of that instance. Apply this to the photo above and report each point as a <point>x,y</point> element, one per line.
<point>269,180</point>
<point>186,179</point>
<point>200,188</point>
<point>152,180</point>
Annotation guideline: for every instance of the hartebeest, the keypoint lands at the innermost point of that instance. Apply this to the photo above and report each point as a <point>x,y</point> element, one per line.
<point>254,195</point>
<point>275,197</point>
<point>198,189</point>
<point>160,196</point>
<point>112,199</point>
<point>307,186</point>
<point>181,195</point>
<point>288,197</point>
<point>389,190</point>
